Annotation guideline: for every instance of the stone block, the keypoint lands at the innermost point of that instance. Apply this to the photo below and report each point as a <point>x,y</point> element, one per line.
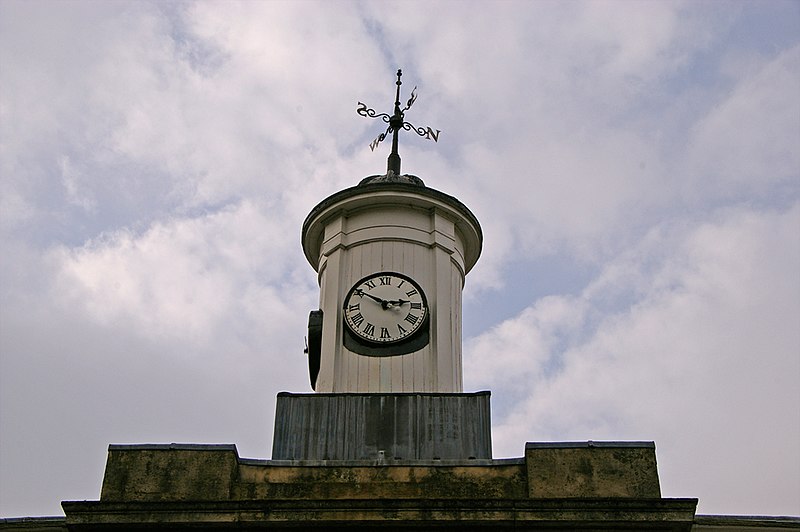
<point>467,479</point>
<point>169,472</point>
<point>592,469</point>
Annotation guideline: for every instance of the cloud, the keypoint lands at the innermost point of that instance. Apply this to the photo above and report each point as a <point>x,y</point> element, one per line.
<point>628,162</point>
<point>709,327</point>
<point>171,107</point>
<point>185,278</point>
<point>747,144</point>
<point>183,331</point>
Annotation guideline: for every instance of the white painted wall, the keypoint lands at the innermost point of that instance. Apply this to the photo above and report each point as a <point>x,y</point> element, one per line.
<point>403,232</point>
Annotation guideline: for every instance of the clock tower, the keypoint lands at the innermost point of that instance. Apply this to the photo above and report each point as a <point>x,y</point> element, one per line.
<point>384,347</point>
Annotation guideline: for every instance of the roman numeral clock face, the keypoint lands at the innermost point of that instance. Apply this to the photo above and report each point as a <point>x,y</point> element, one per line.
<point>385,314</point>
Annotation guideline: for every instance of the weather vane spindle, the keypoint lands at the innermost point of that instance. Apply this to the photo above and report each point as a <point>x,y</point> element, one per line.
<point>396,123</point>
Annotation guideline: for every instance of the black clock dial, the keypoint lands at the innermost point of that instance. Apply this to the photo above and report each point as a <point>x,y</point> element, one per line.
<point>385,308</point>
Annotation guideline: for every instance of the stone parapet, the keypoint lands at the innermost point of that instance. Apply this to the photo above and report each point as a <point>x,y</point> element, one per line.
<point>392,514</point>
<point>170,472</point>
<point>184,486</point>
<point>592,469</point>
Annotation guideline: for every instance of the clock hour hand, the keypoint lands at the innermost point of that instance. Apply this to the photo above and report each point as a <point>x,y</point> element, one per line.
<point>398,302</point>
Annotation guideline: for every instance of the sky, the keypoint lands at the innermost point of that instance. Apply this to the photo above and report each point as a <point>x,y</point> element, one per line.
<point>635,167</point>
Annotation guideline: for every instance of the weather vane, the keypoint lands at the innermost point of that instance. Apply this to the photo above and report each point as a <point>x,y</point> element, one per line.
<point>396,123</point>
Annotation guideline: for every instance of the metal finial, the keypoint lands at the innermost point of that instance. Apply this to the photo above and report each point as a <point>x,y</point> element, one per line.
<point>398,83</point>
<point>396,123</point>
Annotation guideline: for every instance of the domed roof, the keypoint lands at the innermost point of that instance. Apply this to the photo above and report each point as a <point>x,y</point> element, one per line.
<point>391,177</point>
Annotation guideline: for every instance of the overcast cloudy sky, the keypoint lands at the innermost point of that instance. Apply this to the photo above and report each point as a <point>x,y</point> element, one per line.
<point>635,166</point>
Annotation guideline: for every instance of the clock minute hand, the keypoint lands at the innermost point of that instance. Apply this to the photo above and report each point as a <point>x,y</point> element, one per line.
<point>379,300</point>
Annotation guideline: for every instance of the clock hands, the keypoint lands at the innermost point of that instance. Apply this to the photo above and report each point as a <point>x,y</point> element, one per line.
<point>385,305</point>
<point>361,293</point>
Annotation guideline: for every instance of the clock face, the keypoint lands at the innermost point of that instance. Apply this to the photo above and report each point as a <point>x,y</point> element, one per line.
<point>385,308</point>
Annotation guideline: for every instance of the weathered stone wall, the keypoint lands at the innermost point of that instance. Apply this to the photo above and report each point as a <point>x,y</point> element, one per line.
<point>493,479</point>
<point>592,469</point>
<point>553,487</point>
<point>702,523</point>
<point>548,470</point>
<point>170,472</point>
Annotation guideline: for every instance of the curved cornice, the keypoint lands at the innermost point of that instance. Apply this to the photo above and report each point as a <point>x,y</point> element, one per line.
<point>392,193</point>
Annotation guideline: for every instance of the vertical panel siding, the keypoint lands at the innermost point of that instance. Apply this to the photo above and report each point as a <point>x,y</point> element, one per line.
<point>358,426</point>
<point>436,367</point>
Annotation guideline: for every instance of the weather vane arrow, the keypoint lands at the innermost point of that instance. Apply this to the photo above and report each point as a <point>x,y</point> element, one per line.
<point>396,123</point>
